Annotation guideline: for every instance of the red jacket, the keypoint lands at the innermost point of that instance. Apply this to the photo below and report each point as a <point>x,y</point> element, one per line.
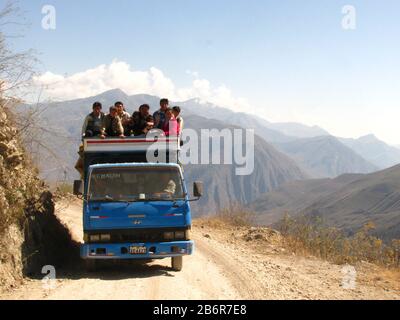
<point>171,127</point>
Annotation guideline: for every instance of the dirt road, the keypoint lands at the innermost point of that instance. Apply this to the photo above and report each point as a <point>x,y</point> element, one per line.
<point>221,268</point>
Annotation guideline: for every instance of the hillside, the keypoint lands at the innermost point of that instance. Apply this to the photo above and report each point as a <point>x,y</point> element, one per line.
<point>374,197</point>
<point>294,196</point>
<point>374,150</point>
<point>271,168</point>
<point>299,130</point>
<point>347,202</point>
<point>325,156</point>
<point>270,131</point>
<point>240,119</point>
<point>30,234</point>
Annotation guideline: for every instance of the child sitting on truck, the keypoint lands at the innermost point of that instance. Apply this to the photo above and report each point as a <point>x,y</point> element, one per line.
<point>176,111</point>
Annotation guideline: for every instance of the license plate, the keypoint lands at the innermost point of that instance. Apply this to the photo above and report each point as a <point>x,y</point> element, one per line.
<point>137,250</point>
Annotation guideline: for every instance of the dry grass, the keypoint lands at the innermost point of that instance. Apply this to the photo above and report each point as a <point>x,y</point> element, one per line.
<point>64,189</point>
<point>306,236</point>
<point>235,215</point>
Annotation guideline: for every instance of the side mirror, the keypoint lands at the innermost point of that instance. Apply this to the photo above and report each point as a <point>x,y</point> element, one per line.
<point>198,189</point>
<point>78,187</point>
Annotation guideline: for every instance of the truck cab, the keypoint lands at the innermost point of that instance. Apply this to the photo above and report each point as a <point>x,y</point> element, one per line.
<point>134,209</point>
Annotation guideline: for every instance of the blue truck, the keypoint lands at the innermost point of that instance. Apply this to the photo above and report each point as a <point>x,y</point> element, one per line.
<point>134,208</point>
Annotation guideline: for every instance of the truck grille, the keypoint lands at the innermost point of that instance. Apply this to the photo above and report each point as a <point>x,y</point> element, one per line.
<point>136,235</point>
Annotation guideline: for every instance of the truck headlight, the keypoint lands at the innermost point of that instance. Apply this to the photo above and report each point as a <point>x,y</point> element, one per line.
<point>187,234</point>
<point>94,237</point>
<point>179,234</point>
<point>168,235</point>
<point>105,237</point>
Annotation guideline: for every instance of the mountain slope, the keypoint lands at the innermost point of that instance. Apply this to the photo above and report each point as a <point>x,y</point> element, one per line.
<point>30,234</point>
<point>298,130</point>
<point>332,159</point>
<point>347,202</point>
<point>374,197</point>
<point>271,168</point>
<point>244,120</point>
<point>325,156</point>
<point>294,196</point>
<point>374,150</point>
<point>270,131</point>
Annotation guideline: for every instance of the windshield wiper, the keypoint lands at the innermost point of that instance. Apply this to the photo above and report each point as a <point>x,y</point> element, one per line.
<point>107,198</point>
<point>162,199</point>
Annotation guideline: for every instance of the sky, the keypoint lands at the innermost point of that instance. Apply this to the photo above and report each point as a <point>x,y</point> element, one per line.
<point>282,60</point>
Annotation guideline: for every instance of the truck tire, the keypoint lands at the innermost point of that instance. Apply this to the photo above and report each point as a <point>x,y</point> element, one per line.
<point>90,265</point>
<point>177,263</point>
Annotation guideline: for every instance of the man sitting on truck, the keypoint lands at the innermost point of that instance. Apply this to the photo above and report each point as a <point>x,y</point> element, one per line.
<point>93,124</point>
<point>167,185</point>
<point>125,117</point>
<point>112,125</point>
<point>142,120</point>
<point>159,115</point>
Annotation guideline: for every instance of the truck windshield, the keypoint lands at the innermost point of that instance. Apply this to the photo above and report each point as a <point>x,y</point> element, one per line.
<point>135,184</point>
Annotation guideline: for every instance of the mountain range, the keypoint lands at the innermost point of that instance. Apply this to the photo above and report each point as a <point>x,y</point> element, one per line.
<point>346,202</point>
<point>326,156</point>
<point>271,167</point>
<point>338,155</point>
<point>223,186</point>
<point>297,167</point>
<point>374,150</point>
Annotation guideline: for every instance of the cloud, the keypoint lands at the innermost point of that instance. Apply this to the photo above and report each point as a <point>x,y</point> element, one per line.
<point>121,75</point>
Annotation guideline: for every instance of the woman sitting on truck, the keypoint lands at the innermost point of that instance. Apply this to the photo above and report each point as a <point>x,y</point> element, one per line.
<point>170,127</point>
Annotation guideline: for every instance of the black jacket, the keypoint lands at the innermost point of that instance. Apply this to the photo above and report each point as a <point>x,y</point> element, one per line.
<point>140,123</point>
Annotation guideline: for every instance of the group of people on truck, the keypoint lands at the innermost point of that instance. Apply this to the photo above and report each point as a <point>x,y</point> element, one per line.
<point>119,123</point>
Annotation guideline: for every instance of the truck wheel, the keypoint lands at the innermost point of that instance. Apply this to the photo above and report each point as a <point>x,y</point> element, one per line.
<point>177,263</point>
<point>90,265</point>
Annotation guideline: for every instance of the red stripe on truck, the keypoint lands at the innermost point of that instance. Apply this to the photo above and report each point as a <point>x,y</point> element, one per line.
<point>128,141</point>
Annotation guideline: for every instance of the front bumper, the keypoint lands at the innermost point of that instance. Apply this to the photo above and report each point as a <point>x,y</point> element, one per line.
<point>156,250</point>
